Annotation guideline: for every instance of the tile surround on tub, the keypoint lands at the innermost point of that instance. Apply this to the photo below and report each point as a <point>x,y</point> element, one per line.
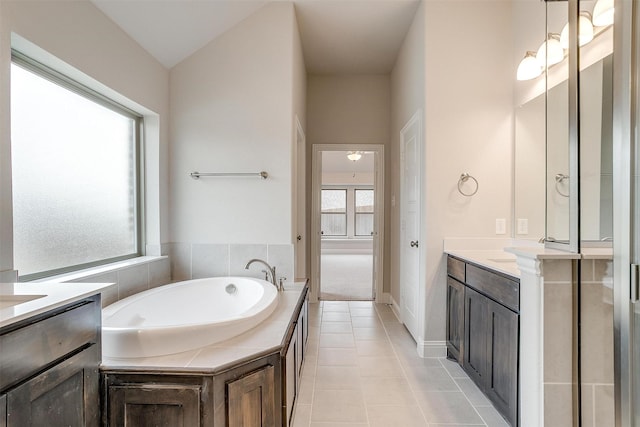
<point>198,260</point>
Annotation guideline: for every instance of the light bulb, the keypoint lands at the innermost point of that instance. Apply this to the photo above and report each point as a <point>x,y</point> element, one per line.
<point>585,31</point>
<point>529,67</point>
<point>603,13</point>
<point>550,51</point>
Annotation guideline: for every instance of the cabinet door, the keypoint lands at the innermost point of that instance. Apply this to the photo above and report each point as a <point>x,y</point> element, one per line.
<point>290,376</point>
<point>475,336</point>
<point>251,399</point>
<point>3,410</point>
<point>154,405</point>
<point>65,395</point>
<point>502,355</point>
<point>455,318</point>
<point>300,340</point>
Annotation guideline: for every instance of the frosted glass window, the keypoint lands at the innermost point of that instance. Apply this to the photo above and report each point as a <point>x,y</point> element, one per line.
<point>364,212</point>
<point>334,213</point>
<point>74,177</point>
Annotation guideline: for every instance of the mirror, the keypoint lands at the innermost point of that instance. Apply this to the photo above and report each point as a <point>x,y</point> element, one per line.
<point>542,179</point>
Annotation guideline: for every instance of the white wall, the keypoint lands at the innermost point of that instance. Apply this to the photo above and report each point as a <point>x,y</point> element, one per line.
<point>351,109</point>
<point>232,110</point>
<point>407,97</point>
<point>103,56</point>
<point>468,128</point>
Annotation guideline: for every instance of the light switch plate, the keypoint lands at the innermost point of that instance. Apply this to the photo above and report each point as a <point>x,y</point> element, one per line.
<point>501,226</point>
<point>523,226</point>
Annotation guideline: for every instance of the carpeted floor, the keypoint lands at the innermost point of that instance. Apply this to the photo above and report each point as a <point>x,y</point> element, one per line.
<point>346,277</point>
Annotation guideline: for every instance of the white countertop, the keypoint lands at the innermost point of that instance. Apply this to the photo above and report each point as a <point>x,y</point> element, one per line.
<point>505,260</point>
<point>497,260</point>
<point>19,301</point>
<point>264,337</point>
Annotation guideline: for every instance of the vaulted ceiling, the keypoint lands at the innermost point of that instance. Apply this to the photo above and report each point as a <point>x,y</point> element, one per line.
<point>338,36</point>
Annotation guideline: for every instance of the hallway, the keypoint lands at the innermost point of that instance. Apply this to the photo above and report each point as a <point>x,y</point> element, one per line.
<point>362,369</point>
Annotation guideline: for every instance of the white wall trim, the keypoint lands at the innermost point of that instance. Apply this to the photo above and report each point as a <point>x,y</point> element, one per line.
<point>432,348</point>
<point>395,307</point>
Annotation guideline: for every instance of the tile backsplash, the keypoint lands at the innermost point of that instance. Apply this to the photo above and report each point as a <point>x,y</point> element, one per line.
<point>198,260</point>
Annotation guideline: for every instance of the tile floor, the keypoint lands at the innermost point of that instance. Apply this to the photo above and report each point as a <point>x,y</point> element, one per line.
<point>362,369</point>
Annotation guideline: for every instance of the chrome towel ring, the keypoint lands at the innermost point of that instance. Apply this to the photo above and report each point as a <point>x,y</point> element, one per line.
<point>464,178</point>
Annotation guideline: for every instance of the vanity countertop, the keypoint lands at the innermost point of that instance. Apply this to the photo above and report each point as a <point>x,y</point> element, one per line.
<point>264,338</point>
<point>497,260</point>
<point>19,301</point>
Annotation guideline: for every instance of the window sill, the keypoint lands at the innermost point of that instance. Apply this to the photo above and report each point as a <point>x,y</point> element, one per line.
<point>102,269</point>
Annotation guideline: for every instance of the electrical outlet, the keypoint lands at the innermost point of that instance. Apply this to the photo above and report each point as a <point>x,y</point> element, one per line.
<point>523,226</point>
<point>501,226</point>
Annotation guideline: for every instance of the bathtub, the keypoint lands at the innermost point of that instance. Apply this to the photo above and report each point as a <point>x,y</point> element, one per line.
<point>185,315</point>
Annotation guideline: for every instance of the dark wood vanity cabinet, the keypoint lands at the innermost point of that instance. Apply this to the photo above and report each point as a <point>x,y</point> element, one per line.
<point>49,368</point>
<point>488,350</point>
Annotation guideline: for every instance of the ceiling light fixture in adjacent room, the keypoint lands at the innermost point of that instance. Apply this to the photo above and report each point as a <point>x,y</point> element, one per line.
<point>603,13</point>
<point>550,51</point>
<point>354,156</point>
<point>585,31</point>
<point>529,67</point>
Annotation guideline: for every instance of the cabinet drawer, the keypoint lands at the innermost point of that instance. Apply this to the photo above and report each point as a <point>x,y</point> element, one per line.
<point>456,269</point>
<point>503,290</point>
<point>27,350</point>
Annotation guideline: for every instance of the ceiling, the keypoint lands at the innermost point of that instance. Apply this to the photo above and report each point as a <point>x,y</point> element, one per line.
<point>337,162</point>
<point>338,36</point>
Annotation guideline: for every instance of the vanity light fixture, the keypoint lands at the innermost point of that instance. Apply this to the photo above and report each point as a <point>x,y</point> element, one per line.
<point>354,156</point>
<point>550,51</point>
<point>529,67</point>
<point>603,13</point>
<point>585,31</point>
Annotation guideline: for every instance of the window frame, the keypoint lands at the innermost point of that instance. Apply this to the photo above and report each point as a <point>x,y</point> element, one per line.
<point>64,81</point>
<point>346,210</point>
<point>356,213</point>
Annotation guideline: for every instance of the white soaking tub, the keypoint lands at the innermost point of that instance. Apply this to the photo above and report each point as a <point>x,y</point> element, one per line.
<point>185,315</point>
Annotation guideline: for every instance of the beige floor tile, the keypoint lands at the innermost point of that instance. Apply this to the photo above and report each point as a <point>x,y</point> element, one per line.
<point>337,378</point>
<point>473,393</point>
<point>338,406</point>
<point>301,415</point>
<point>305,395</point>
<point>454,369</point>
<point>369,334</point>
<point>381,367</point>
<point>361,304</point>
<point>492,418</point>
<point>374,348</point>
<point>363,312</point>
<point>336,316</point>
<point>337,356</point>
<point>336,340</point>
<point>335,306</point>
<point>387,391</point>
<point>395,416</point>
<point>336,328</point>
<point>366,322</point>
<point>431,379</point>
<point>447,408</point>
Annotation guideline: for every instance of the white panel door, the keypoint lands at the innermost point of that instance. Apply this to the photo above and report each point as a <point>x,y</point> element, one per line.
<point>411,142</point>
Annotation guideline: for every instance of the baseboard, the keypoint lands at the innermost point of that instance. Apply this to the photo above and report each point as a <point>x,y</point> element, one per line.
<point>432,348</point>
<point>395,308</point>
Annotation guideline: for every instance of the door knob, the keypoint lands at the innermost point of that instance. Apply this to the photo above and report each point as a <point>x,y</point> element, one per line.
<point>414,243</point>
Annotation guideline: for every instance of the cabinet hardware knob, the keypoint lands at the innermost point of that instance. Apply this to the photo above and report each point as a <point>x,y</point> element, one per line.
<point>414,243</point>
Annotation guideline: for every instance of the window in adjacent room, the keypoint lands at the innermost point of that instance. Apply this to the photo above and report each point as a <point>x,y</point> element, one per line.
<point>334,212</point>
<point>364,212</point>
<point>75,171</point>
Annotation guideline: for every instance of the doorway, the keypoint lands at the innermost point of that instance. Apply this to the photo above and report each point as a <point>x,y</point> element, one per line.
<point>347,221</point>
